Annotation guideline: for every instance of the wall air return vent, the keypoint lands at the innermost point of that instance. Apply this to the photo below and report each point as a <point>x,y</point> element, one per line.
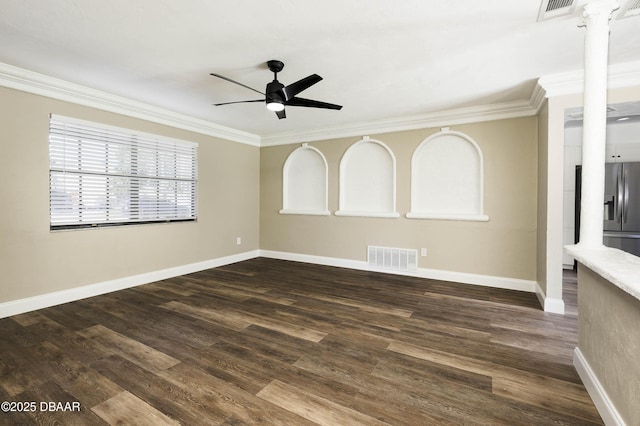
<point>629,9</point>
<point>393,259</point>
<point>554,8</point>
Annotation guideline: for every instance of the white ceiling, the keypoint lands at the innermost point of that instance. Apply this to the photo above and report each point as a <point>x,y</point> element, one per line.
<point>381,59</point>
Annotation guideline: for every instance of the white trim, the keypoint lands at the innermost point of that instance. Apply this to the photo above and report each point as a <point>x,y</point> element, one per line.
<point>316,260</point>
<point>601,400</point>
<point>452,117</point>
<point>28,304</point>
<point>356,213</point>
<point>306,212</point>
<point>571,83</point>
<point>478,279</point>
<point>467,217</point>
<point>538,97</point>
<point>553,306</point>
<point>40,84</point>
<point>620,75</point>
<point>436,274</point>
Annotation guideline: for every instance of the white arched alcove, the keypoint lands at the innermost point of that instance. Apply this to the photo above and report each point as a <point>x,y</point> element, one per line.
<point>447,178</point>
<point>368,180</point>
<point>304,182</point>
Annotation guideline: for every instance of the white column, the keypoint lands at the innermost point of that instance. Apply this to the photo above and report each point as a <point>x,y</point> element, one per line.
<point>596,48</point>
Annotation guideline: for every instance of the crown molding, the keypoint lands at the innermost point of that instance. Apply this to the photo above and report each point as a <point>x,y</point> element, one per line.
<point>437,119</point>
<point>538,97</point>
<point>572,83</point>
<point>39,84</point>
<point>568,83</point>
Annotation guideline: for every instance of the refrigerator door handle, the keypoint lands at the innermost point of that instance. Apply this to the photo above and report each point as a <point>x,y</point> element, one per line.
<point>625,200</point>
<point>619,198</point>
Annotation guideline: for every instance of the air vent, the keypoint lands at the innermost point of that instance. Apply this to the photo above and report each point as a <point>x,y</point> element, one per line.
<point>558,4</point>
<point>394,259</point>
<point>629,9</point>
<point>555,8</point>
<point>578,113</point>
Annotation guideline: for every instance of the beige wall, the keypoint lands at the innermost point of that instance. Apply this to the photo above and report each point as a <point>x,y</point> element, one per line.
<point>609,340</point>
<point>35,261</point>
<point>543,172</point>
<point>505,246</point>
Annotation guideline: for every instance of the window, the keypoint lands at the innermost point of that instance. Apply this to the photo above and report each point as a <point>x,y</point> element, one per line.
<point>103,176</point>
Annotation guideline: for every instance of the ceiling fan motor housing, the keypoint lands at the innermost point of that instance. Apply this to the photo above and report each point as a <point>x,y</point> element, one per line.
<point>275,66</point>
<point>274,92</point>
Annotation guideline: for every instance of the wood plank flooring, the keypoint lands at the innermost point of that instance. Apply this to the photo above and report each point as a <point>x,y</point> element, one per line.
<point>284,343</point>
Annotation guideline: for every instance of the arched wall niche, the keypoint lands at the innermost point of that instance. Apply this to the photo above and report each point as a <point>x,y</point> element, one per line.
<point>447,178</point>
<point>304,182</point>
<point>368,180</point>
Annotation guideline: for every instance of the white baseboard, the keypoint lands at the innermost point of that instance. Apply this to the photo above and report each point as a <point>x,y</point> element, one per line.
<point>601,400</point>
<point>554,306</point>
<point>436,274</point>
<point>29,304</point>
<point>318,260</point>
<point>478,279</point>
<point>20,306</point>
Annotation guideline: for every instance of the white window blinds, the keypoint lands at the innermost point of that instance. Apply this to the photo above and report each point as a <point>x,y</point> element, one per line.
<point>101,175</point>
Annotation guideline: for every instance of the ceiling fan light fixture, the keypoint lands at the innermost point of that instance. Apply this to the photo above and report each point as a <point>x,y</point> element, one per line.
<point>277,96</point>
<point>274,96</point>
<point>275,106</point>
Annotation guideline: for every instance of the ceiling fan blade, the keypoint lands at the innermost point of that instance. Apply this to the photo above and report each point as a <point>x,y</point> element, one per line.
<point>281,114</point>
<point>294,88</point>
<point>235,82</point>
<point>239,102</point>
<point>309,103</point>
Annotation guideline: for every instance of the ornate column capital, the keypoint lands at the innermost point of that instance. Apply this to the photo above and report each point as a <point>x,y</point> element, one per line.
<point>598,9</point>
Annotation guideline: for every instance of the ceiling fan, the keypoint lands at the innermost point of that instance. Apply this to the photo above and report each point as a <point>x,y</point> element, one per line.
<point>277,95</point>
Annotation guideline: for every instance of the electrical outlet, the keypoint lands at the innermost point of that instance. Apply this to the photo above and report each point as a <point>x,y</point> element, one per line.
<point>423,252</point>
<point>238,240</point>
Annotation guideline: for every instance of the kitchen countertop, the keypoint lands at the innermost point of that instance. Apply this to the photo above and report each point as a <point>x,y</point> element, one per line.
<point>622,269</point>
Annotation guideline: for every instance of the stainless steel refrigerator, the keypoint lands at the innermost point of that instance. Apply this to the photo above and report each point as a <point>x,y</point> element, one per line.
<point>622,207</point>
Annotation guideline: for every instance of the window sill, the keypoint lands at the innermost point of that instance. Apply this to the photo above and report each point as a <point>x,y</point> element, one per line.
<point>391,215</point>
<point>306,212</point>
<point>467,217</point>
<point>620,268</point>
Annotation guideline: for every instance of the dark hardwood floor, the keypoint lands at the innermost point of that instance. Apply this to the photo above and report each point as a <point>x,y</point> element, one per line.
<point>284,343</point>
